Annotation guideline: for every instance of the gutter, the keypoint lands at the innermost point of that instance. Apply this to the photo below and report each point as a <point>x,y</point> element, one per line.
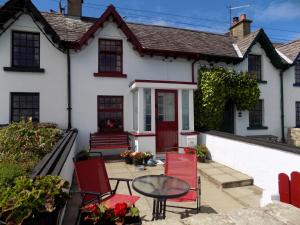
<point>282,106</point>
<point>69,90</point>
<point>193,69</point>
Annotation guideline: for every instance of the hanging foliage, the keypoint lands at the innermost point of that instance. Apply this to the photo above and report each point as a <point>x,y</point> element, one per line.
<point>217,86</point>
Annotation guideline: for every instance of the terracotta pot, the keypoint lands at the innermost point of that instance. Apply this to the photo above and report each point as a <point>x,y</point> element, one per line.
<point>201,159</point>
<point>138,161</point>
<point>128,160</point>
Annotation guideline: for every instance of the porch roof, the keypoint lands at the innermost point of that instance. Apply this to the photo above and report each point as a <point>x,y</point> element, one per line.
<point>162,84</point>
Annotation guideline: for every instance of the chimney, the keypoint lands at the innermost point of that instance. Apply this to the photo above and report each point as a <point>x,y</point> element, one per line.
<point>241,26</point>
<point>75,8</point>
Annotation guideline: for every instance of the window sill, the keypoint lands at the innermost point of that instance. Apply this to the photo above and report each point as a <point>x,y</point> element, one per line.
<point>262,81</point>
<point>24,69</point>
<point>296,84</point>
<point>110,74</point>
<point>257,128</point>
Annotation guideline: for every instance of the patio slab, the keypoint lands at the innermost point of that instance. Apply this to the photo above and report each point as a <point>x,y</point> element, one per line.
<point>223,176</point>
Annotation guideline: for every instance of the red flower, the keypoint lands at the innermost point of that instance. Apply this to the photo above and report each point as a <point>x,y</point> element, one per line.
<point>120,209</point>
<point>91,208</point>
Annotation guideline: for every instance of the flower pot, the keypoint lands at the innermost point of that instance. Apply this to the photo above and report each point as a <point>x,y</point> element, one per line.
<point>43,219</point>
<point>128,160</point>
<point>137,162</point>
<point>132,220</point>
<point>201,159</point>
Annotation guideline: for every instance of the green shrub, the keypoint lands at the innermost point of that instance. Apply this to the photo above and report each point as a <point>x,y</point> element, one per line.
<point>25,142</point>
<point>9,172</point>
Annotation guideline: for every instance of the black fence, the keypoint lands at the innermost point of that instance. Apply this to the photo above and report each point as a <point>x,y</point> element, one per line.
<point>54,161</point>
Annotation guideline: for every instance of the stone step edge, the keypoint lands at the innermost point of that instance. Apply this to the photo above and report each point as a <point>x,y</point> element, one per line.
<point>240,183</point>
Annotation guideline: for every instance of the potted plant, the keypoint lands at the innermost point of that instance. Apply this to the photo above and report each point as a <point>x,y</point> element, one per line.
<point>138,158</point>
<point>147,156</point>
<point>127,155</point>
<point>202,152</point>
<point>99,214</point>
<point>33,202</point>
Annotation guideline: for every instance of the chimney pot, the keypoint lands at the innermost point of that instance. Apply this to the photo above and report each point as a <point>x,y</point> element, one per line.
<point>235,20</point>
<point>243,17</point>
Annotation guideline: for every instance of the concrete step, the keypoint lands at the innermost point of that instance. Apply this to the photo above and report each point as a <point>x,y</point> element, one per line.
<point>223,176</point>
<point>248,196</point>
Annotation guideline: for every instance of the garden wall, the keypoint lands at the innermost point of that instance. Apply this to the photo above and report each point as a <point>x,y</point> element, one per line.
<point>260,159</point>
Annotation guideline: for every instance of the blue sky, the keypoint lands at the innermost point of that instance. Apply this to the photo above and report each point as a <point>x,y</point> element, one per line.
<point>279,18</point>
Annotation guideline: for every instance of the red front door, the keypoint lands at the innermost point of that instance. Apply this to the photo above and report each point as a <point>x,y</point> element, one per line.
<point>166,120</point>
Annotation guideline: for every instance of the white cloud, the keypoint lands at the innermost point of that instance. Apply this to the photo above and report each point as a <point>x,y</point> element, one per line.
<point>286,10</point>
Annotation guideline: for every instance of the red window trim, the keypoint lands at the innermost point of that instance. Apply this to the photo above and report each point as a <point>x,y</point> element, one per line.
<point>110,73</point>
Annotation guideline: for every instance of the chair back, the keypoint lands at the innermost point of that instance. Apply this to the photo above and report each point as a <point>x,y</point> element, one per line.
<point>91,176</point>
<point>182,166</point>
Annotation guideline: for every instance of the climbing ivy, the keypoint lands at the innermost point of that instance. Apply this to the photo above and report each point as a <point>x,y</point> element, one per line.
<point>217,86</point>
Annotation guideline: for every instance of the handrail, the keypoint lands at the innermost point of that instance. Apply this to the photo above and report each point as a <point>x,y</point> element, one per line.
<point>53,162</point>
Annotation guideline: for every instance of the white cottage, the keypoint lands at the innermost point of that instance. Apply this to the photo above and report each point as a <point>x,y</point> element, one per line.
<point>118,79</point>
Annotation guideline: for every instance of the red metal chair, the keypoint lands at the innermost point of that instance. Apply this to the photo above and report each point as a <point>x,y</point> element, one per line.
<point>184,166</point>
<point>93,184</point>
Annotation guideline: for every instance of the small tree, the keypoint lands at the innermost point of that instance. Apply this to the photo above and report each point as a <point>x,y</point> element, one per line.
<point>217,86</point>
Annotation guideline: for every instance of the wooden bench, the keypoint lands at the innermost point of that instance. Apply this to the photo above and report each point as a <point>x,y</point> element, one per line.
<point>99,141</point>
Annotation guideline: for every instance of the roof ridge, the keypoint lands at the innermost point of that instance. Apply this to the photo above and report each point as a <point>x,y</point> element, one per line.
<point>178,28</point>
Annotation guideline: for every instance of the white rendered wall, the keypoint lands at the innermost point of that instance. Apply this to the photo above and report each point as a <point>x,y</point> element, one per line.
<point>52,85</point>
<point>260,162</point>
<point>86,87</point>
<point>291,96</point>
<point>269,92</point>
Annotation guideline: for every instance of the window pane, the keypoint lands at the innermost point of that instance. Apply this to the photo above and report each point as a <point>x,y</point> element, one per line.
<point>25,49</point>
<point>297,114</point>
<point>147,109</point>
<point>185,110</point>
<point>166,109</point>
<point>135,110</point>
<point>256,115</point>
<point>110,55</point>
<point>254,66</point>
<point>297,72</point>
<point>25,106</point>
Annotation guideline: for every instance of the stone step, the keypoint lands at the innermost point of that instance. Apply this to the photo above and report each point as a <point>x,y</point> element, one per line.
<point>248,196</point>
<point>223,176</point>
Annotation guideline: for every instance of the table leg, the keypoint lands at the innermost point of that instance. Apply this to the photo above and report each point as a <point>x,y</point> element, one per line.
<point>153,210</point>
<point>164,208</point>
<point>157,209</point>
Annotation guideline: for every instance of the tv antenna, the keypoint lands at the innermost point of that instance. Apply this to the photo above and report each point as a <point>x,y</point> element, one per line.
<point>233,8</point>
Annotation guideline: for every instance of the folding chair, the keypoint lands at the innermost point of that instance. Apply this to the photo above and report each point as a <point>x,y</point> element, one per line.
<point>184,166</point>
<point>93,184</point>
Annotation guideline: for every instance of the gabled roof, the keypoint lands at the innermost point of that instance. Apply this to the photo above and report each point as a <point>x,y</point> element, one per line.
<point>291,50</point>
<point>14,8</point>
<point>260,36</point>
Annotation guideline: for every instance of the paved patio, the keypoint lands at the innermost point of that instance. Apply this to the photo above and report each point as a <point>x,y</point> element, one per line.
<point>214,198</point>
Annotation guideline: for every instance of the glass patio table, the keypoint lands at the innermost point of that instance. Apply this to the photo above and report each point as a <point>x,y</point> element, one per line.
<point>160,188</point>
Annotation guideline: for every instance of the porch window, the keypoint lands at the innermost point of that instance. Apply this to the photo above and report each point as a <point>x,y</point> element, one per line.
<point>254,66</point>
<point>297,72</point>
<point>256,115</point>
<point>147,109</point>
<point>25,49</point>
<point>297,114</point>
<point>110,113</point>
<point>185,110</point>
<point>25,106</point>
<point>135,110</point>
<point>110,56</point>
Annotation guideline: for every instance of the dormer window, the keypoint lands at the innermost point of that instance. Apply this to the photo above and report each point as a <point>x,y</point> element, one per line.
<point>25,49</point>
<point>110,56</point>
<point>254,66</point>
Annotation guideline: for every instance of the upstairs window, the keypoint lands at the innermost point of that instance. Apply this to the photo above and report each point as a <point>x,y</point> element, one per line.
<point>25,106</point>
<point>256,115</point>
<point>110,56</point>
<point>25,49</point>
<point>297,72</point>
<point>254,66</point>
<point>298,114</point>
